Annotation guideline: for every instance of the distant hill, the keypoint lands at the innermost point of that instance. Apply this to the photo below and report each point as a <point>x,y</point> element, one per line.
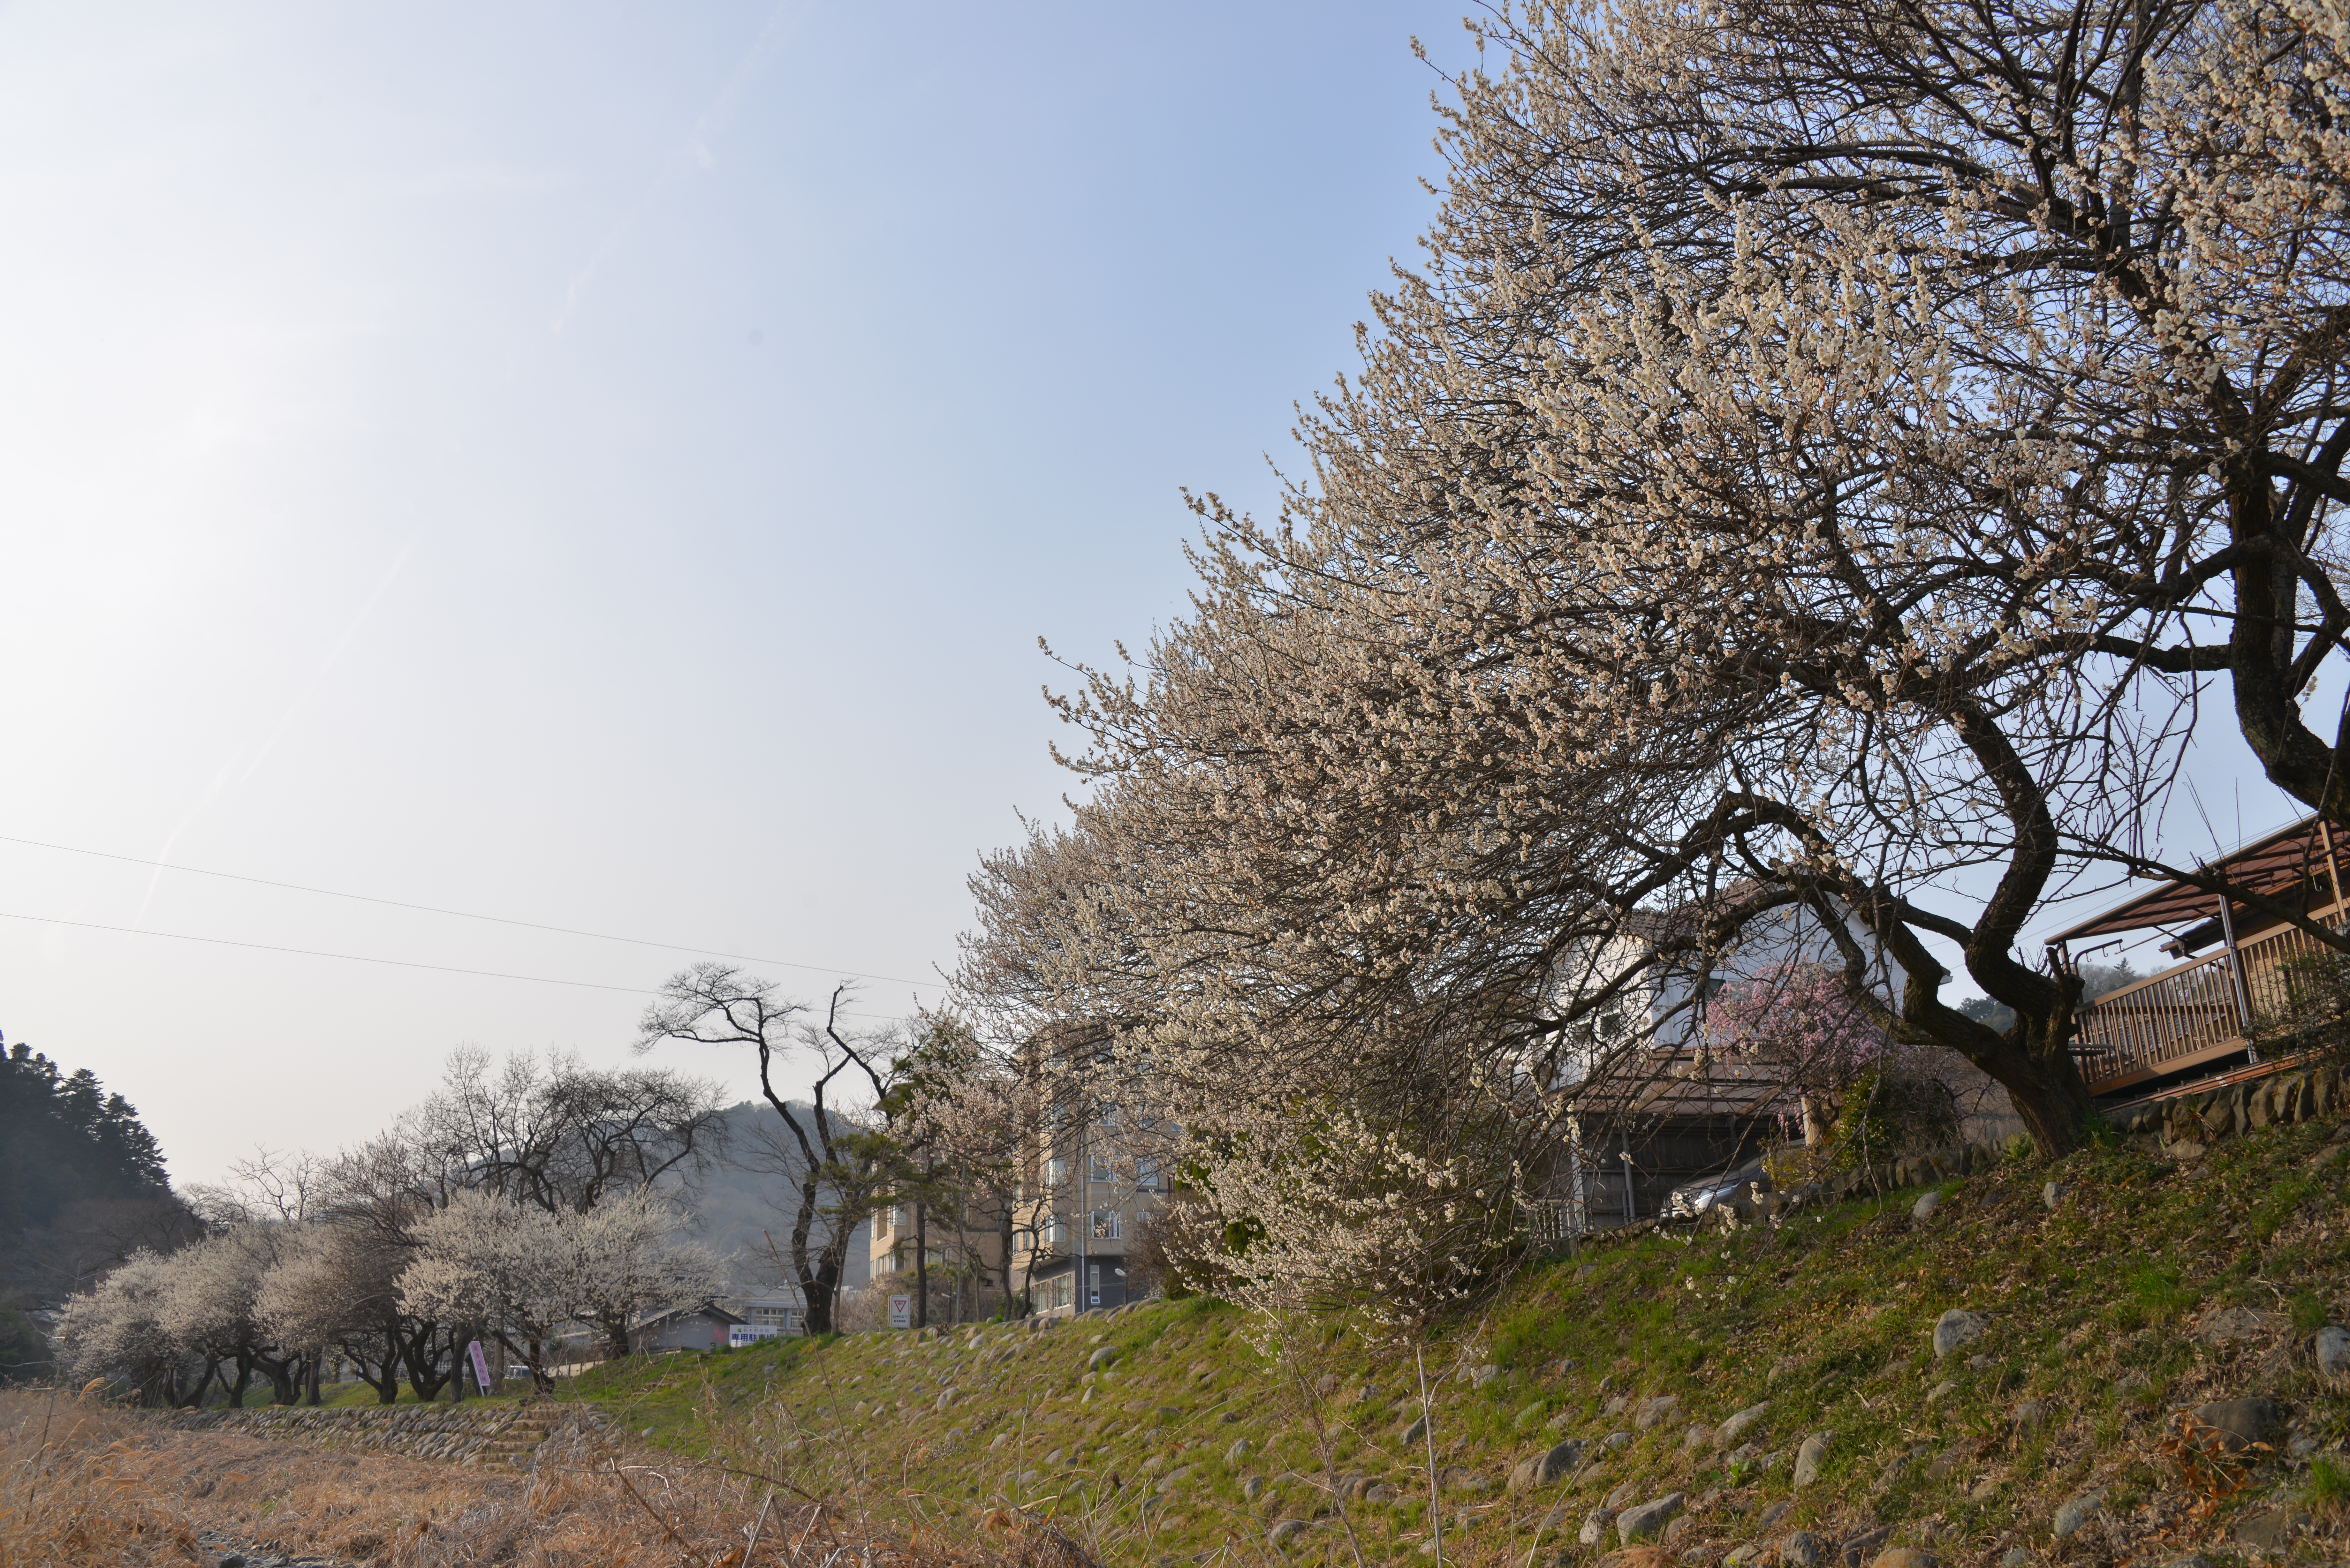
<point>735,1200</point>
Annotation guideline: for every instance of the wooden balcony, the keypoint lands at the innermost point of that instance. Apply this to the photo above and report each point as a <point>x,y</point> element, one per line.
<point>2194,1014</point>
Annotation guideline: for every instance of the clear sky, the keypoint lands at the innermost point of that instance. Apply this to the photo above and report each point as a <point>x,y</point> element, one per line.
<point>609,466</point>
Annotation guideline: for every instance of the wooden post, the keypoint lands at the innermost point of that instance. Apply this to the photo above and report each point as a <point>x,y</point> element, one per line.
<point>2333,867</point>
<point>2236,973</point>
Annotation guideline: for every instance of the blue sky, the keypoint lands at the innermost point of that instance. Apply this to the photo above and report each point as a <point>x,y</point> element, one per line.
<point>608,465</point>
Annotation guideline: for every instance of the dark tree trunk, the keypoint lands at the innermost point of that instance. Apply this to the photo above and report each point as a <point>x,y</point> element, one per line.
<point>284,1379</point>
<point>195,1397</point>
<point>381,1372</point>
<point>419,1355</point>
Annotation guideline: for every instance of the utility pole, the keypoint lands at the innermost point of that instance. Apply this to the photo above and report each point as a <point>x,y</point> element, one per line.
<point>963,1235</point>
<point>1081,1187</point>
<point>922,1248</point>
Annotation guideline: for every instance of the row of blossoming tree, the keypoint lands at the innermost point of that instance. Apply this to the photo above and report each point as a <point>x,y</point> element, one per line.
<point>516,1200</point>
<point>1829,457</point>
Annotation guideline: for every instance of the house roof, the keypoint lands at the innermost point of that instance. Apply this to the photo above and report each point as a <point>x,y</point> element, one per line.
<point>705,1309</point>
<point>1681,1081</point>
<point>2278,863</point>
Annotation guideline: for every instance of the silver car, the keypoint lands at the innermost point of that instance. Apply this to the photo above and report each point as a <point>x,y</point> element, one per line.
<point>1733,1189</point>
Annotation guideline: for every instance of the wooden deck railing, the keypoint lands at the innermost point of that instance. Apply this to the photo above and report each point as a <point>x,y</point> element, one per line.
<point>2193,1013</point>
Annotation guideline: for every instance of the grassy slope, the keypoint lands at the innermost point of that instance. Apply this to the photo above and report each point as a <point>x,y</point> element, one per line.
<point>2099,1312</point>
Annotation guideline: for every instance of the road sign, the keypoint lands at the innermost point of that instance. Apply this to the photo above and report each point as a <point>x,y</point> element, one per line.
<point>901,1312</point>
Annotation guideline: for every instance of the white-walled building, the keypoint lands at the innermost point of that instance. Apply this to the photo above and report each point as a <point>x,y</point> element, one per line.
<point>1654,1104</point>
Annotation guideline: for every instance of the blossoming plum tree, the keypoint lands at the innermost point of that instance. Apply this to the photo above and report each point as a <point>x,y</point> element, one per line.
<point>1826,454</point>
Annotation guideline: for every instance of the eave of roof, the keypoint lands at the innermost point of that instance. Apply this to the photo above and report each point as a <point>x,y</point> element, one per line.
<point>2275,863</point>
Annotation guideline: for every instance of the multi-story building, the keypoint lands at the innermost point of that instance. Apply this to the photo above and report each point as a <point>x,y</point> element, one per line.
<point>781,1310</point>
<point>964,1254</point>
<point>1091,1183</point>
<point>1087,1178</point>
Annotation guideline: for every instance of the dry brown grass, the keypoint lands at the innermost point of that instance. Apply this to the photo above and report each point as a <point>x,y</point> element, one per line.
<point>81,1482</point>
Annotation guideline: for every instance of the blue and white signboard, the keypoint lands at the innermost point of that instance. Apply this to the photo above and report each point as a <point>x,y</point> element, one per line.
<point>738,1335</point>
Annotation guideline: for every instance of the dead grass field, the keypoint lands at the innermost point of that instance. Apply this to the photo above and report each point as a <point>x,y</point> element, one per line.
<point>86,1484</point>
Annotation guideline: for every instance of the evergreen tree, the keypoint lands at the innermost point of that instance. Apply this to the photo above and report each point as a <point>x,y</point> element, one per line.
<point>64,1139</point>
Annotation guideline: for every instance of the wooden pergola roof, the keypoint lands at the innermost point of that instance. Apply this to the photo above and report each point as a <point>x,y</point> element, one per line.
<point>2281,862</point>
<point>1671,1081</point>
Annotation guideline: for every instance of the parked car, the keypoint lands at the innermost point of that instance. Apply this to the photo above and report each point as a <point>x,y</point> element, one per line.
<point>1733,1189</point>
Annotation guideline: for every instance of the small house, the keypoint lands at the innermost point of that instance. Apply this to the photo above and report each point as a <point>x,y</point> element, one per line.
<point>701,1327</point>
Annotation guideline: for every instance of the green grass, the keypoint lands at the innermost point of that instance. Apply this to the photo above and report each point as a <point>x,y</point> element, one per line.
<point>1828,1320</point>
<point>2155,1293</point>
<point>2329,1483</point>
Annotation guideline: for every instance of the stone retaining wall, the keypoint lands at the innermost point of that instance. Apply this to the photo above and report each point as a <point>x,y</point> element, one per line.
<point>469,1433</point>
<point>2180,1124</point>
<point>2295,1094</point>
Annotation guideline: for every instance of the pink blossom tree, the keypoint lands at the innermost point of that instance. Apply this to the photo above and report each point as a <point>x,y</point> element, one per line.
<point>1798,1016</point>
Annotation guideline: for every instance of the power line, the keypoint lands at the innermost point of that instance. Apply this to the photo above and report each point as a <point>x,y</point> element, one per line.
<point>353,958</point>
<point>433,909</point>
<point>312,952</point>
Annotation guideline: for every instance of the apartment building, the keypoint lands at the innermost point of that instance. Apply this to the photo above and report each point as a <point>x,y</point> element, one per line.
<point>964,1254</point>
<point>1091,1184</point>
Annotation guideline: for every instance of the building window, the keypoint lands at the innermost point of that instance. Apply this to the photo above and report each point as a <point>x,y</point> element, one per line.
<point>1054,1232</point>
<point>1100,1170</point>
<point>1105,1224</point>
<point>1146,1175</point>
<point>1057,1171</point>
<point>1056,1292</point>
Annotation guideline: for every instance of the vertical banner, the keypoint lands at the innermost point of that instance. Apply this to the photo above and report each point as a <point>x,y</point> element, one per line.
<point>481,1366</point>
<point>901,1312</point>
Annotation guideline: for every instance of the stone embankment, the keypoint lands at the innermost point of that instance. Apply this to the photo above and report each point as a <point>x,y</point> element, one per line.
<point>2181,1126</point>
<point>463,1434</point>
<point>2185,1123</point>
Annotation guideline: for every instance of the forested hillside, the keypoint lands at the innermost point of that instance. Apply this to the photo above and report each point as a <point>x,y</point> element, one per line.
<point>62,1138</point>
<point>82,1184</point>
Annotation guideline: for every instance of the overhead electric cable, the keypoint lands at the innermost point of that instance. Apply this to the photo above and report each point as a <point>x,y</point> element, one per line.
<point>458,914</point>
<point>314,952</point>
<point>352,958</point>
